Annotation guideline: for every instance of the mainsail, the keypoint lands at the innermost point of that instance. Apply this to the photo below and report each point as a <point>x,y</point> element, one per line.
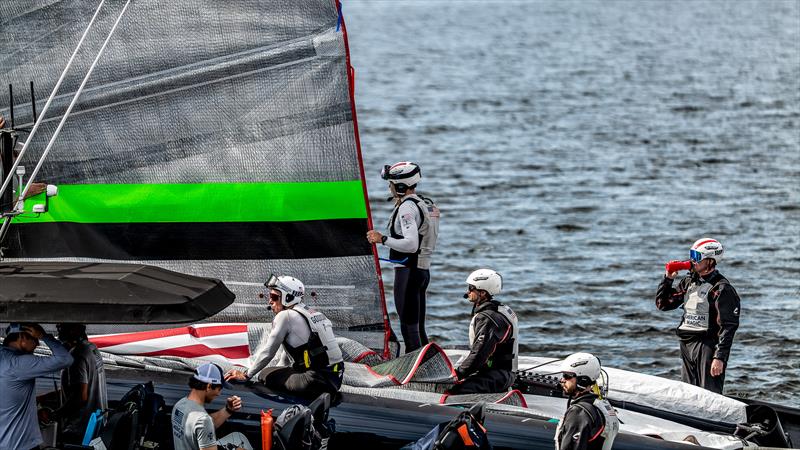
<point>215,139</point>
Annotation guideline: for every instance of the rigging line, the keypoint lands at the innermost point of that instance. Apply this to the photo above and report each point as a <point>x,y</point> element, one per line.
<point>73,102</point>
<point>47,105</point>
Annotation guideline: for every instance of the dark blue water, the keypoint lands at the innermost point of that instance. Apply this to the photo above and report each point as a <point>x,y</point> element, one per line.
<point>577,146</point>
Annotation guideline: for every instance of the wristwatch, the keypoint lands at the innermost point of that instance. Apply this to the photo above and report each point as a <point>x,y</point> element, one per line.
<point>383,239</point>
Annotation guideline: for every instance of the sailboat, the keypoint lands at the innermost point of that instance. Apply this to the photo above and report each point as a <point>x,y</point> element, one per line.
<point>220,140</point>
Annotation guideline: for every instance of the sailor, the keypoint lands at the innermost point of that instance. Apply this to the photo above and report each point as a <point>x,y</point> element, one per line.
<point>83,384</point>
<point>710,315</point>
<point>493,339</point>
<point>19,368</point>
<point>307,338</point>
<point>413,229</point>
<point>193,428</point>
<point>589,422</point>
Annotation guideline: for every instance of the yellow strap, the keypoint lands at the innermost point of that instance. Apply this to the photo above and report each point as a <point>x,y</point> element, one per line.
<point>306,359</point>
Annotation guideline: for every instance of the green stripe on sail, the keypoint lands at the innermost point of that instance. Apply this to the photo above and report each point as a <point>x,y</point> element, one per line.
<point>202,202</point>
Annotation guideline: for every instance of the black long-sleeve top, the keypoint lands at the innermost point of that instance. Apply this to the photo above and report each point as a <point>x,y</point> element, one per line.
<point>580,424</point>
<point>724,304</point>
<point>491,330</point>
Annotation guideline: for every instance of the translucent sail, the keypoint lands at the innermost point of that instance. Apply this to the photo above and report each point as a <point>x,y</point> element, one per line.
<point>213,138</point>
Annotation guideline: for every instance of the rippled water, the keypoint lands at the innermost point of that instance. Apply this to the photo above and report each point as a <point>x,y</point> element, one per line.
<point>577,146</point>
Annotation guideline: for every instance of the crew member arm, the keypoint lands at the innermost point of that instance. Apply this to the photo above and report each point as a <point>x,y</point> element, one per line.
<point>486,340</point>
<point>669,298</point>
<point>31,366</point>
<point>575,430</point>
<point>78,393</point>
<point>219,417</point>
<point>408,215</point>
<point>280,328</point>
<point>728,304</point>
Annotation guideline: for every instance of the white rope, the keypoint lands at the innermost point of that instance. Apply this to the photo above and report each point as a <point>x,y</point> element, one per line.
<point>47,105</point>
<point>72,103</point>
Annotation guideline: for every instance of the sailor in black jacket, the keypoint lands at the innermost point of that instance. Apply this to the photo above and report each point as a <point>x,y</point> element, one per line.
<point>493,339</point>
<point>710,316</point>
<point>589,423</point>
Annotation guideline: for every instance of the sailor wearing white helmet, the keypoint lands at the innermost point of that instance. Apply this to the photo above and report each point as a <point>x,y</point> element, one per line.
<point>589,422</point>
<point>413,229</point>
<point>710,315</point>
<point>493,338</point>
<point>307,337</point>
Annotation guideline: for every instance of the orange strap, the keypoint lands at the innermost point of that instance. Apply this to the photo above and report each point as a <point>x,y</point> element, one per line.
<point>464,433</point>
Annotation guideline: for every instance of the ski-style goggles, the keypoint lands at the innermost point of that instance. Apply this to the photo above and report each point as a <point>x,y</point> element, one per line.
<point>695,256</point>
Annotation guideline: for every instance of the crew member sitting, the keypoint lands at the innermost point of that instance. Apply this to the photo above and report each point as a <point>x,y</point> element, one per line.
<point>589,423</point>
<point>493,342</point>
<point>192,427</point>
<point>307,337</point>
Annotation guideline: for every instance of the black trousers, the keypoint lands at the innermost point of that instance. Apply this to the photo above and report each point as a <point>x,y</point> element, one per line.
<point>696,357</point>
<point>306,384</point>
<point>410,285</point>
<point>484,382</point>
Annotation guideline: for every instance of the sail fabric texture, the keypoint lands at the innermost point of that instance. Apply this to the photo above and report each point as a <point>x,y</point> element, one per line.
<point>213,138</point>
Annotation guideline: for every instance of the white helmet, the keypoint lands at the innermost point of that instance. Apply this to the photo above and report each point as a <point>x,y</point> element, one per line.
<point>486,280</point>
<point>291,288</point>
<point>403,175</point>
<point>706,248</point>
<point>585,366</point>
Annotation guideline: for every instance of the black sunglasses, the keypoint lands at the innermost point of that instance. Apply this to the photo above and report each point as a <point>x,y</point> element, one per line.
<point>567,375</point>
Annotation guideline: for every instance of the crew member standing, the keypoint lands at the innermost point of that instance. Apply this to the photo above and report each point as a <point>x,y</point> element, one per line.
<point>493,339</point>
<point>710,316</point>
<point>83,384</point>
<point>589,423</point>
<point>19,368</point>
<point>413,229</point>
<point>307,336</point>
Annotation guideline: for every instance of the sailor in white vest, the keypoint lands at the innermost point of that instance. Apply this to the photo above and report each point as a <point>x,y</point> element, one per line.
<point>413,229</point>
<point>710,315</point>
<point>307,338</point>
<point>590,422</point>
<point>493,339</point>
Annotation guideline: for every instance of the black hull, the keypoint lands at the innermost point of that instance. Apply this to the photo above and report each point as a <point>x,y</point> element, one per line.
<point>372,422</point>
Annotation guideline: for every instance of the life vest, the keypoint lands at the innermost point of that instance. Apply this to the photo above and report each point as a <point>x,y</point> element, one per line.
<point>696,306</point>
<point>321,350</point>
<point>428,230</point>
<point>506,352</point>
<point>608,430</point>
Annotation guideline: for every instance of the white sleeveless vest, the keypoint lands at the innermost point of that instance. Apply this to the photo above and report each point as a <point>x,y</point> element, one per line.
<point>324,328</point>
<point>696,307</point>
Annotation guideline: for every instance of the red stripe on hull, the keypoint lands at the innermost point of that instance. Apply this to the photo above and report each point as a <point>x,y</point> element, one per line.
<point>199,350</point>
<point>127,338</point>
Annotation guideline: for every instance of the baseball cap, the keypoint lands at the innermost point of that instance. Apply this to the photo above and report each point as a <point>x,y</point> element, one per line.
<point>210,373</point>
<point>14,328</point>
